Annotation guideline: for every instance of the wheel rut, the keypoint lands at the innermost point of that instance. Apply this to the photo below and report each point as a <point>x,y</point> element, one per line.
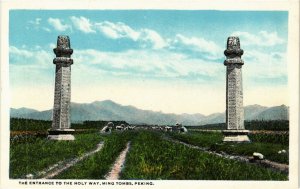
<point>61,166</point>
<point>264,163</point>
<point>116,169</point>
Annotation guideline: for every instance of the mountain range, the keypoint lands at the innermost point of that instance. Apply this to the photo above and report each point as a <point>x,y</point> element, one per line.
<point>109,110</point>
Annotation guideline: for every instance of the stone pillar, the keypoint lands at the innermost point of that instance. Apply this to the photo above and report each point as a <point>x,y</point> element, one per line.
<point>234,93</point>
<point>61,110</point>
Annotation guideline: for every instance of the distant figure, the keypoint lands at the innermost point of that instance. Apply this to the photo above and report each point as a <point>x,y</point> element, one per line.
<point>155,127</point>
<point>177,127</point>
<point>167,128</point>
<point>131,127</point>
<point>183,129</point>
<point>120,127</point>
<point>110,124</point>
<point>107,128</point>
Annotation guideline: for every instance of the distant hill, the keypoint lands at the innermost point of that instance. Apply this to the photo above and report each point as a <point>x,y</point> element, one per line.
<point>274,113</point>
<point>109,110</point>
<point>21,112</point>
<point>253,111</point>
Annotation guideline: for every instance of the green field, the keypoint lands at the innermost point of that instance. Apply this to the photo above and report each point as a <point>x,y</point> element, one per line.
<point>151,156</point>
<point>39,153</point>
<point>267,144</point>
<point>99,164</point>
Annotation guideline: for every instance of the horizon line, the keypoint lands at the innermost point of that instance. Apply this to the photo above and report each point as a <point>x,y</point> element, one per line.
<point>160,111</point>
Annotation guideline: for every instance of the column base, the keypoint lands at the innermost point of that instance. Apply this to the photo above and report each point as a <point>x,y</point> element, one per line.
<point>236,136</point>
<point>61,134</point>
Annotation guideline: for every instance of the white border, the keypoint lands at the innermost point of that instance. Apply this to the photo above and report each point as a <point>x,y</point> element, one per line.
<point>293,75</point>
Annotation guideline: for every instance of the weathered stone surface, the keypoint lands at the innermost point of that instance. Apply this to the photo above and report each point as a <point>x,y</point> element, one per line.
<point>61,137</point>
<point>62,94</point>
<point>234,91</point>
<point>239,136</point>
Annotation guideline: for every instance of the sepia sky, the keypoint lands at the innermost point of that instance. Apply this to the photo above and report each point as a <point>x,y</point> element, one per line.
<point>169,61</point>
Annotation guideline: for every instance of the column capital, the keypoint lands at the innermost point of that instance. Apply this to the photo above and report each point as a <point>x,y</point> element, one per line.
<point>233,51</point>
<point>63,48</point>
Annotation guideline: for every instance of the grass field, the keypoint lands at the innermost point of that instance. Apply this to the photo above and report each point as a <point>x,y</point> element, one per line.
<point>39,153</point>
<point>151,155</point>
<point>271,125</point>
<point>267,144</point>
<point>96,166</point>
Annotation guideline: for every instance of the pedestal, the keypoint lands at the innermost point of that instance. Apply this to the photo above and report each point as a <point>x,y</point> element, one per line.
<point>61,134</point>
<point>236,136</point>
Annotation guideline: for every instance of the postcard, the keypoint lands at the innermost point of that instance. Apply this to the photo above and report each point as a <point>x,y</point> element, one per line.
<point>149,94</point>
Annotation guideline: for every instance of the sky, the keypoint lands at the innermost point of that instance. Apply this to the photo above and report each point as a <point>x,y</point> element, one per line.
<point>160,60</point>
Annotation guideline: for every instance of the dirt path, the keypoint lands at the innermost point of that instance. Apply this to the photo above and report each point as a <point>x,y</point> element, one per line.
<point>265,163</point>
<point>61,166</point>
<point>118,165</point>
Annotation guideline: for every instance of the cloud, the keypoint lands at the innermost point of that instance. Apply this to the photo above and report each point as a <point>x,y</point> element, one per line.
<point>52,45</point>
<point>96,70</point>
<point>36,21</point>
<point>117,30</point>
<point>149,64</point>
<point>34,24</point>
<point>164,65</point>
<point>265,66</point>
<point>199,45</point>
<point>35,57</point>
<point>14,51</point>
<point>46,29</point>
<point>30,67</point>
<point>263,38</point>
<point>146,37</point>
<point>57,24</point>
<point>153,38</point>
<point>83,24</point>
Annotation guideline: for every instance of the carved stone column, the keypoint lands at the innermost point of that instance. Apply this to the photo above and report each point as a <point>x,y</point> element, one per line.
<point>61,110</point>
<point>234,93</point>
